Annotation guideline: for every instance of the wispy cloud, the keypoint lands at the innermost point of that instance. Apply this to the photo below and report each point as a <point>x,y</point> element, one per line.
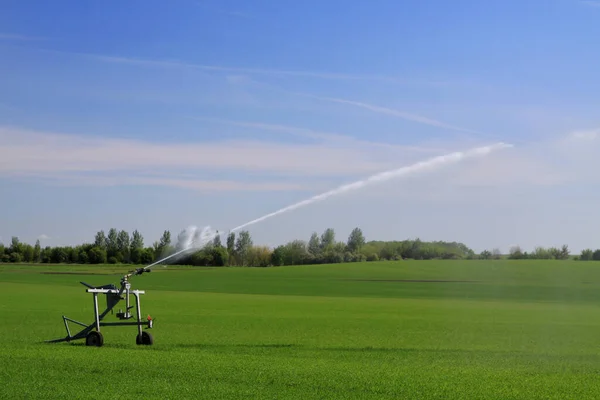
<point>30,151</point>
<point>328,137</point>
<point>245,70</point>
<point>77,159</point>
<point>179,64</point>
<point>396,113</point>
<point>589,134</point>
<point>590,3</point>
<point>43,236</point>
<point>269,166</point>
<point>4,106</point>
<point>233,13</point>
<point>16,36</point>
<point>196,184</point>
<point>500,179</point>
<point>568,159</point>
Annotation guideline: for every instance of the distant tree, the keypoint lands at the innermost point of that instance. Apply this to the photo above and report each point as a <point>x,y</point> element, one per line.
<point>136,247</point>
<point>390,250</point>
<point>97,255</point>
<point>231,244</point>
<point>541,253</point>
<point>165,239</point>
<point>118,246</point>
<point>242,246</point>
<point>15,246</point>
<point>334,253</point>
<point>163,247</point>
<point>373,257</point>
<point>217,240</point>
<point>349,257</point>
<point>147,256</point>
<point>220,256</point>
<point>100,240</point>
<point>515,253</point>
<point>28,253</point>
<point>314,245</point>
<point>37,252</point>
<point>123,247</point>
<point>15,257</point>
<point>564,252</point>
<point>277,256</point>
<point>82,257</point>
<point>73,254</point>
<point>295,253</point>
<point>496,254</point>
<point>46,254</point>
<point>59,255</point>
<point>112,243</point>
<point>201,258</point>
<point>413,249</point>
<point>327,239</point>
<point>356,240</point>
<point>259,256</point>
<point>596,255</point>
<point>587,255</point>
<point>485,255</point>
<point>559,254</point>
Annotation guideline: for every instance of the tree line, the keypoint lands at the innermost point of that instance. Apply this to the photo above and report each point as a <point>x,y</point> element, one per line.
<point>119,247</point>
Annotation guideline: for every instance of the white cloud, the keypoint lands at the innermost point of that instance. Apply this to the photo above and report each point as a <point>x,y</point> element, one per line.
<point>43,236</point>
<point>590,3</point>
<point>584,134</point>
<point>567,160</point>
<point>28,151</point>
<point>86,160</point>
<point>570,159</point>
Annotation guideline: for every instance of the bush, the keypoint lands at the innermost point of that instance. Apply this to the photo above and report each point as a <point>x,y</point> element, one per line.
<point>373,257</point>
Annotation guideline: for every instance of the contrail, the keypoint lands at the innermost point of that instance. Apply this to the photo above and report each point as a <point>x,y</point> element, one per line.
<point>384,176</point>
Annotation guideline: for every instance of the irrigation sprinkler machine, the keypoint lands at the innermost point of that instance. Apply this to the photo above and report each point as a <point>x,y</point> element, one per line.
<point>92,334</point>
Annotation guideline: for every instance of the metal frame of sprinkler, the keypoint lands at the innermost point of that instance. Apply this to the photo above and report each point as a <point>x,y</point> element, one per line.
<point>91,333</point>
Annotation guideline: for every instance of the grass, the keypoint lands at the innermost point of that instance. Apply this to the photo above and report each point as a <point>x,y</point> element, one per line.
<point>507,330</point>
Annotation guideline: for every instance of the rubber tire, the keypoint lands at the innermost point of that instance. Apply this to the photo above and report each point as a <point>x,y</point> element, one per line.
<point>145,339</point>
<point>94,338</point>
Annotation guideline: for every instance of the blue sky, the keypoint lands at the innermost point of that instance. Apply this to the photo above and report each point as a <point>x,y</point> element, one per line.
<point>156,115</point>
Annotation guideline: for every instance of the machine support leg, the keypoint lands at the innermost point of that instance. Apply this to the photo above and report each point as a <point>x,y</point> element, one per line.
<point>139,313</point>
<point>67,326</point>
<point>96,314</point>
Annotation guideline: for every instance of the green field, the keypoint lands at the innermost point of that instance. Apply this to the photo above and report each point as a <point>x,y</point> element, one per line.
<point>483,329</point>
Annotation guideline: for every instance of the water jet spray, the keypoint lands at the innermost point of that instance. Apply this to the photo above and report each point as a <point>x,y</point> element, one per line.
<point>194,240</point>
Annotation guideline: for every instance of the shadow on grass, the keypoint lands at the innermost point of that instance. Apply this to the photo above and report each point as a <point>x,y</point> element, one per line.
<point>231,346</point>
<point>412,280</point>
<point>389,351</point>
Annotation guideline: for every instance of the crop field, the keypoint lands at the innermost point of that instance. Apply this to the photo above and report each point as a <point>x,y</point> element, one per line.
<point>397,330</point>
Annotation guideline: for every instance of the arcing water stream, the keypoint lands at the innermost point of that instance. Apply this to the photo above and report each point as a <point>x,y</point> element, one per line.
<point>197,240</point>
